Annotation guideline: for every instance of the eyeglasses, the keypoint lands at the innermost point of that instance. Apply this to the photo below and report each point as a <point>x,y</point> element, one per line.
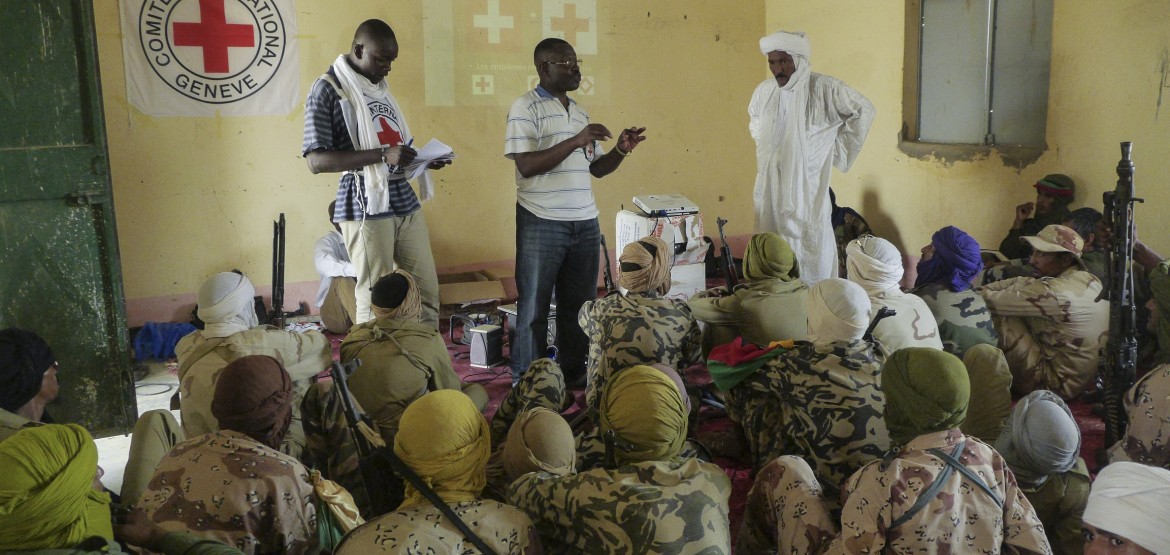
<point>566,63</point>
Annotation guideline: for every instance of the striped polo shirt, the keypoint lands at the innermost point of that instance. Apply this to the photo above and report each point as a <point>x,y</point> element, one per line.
<point>538,121</point>
<point>325,130</point>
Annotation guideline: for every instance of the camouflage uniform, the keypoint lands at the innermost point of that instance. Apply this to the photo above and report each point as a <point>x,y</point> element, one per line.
<point>784,513</point>
<point>1147,438</point>
<point>760,311</point>
<point>229,488</point>
<point>423,529</point>
<point>1050,330</point>
<point>303,355</point>
<point>913,325</point>
<point>329,443</point>
<point>852,226</point>
<point>823,403</point>
<point>401,361</point>
<point>542,385</point>
<point>963,318</point>
<point>636,328</point>
<point>676,507</point>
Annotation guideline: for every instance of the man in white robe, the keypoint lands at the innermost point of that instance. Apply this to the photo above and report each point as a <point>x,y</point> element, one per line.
<point>803,124</point>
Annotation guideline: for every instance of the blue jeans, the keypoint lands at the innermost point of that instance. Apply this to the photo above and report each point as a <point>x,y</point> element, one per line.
<point>553,254</point>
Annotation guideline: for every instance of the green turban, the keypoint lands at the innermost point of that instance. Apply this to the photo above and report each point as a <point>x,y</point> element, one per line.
<point>47,500</point>
<point>769,256</point>
<point>927,390</point>
<point>647,413</point>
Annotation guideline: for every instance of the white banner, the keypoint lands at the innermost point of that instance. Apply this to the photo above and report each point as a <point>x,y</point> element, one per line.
<point>202,57</point>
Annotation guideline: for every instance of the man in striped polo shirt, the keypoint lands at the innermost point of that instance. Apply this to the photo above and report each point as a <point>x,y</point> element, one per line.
<point>556,151</point>
<point>354,126</point>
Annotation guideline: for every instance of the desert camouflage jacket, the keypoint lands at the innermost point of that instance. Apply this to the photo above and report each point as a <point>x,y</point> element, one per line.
<point>423,529</point>
<point>226,487</point>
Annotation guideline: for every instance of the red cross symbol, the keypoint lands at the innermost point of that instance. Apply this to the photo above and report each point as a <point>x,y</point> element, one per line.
<point>386,134</point>
<point>214,35</point>
<point>483,84</point>
<point>570,23</point>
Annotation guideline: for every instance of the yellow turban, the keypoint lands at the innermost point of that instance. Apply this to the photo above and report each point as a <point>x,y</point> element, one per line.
<point>769,256</point>
<point>540,439</point>
<point>645,265</point>
<point>646,411</point>
<point>446,441</point>
<point>47,500</point>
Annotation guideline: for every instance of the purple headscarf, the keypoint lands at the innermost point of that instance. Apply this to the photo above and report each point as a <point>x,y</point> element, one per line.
<point>955,262</point>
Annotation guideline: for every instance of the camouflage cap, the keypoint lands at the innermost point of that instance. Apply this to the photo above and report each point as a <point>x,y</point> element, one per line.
<point>1058,238</point>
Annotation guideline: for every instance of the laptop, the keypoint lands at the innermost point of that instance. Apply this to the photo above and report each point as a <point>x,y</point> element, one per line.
<point>660,206</point>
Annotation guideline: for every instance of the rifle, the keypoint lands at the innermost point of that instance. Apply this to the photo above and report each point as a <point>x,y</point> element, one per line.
<point>609,286</point>
<point>729,271</point>
<point>276,316</point>
<point>882,313</point>
<point>1118,365</point>
<point>386,491</point>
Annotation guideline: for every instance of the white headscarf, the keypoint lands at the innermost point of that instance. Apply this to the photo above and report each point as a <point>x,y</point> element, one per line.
<point>226,305</point>
<point>838,310</point>
<point>794,43</point>
<point>1133,501</point>
<point>1042,438</point>
<point>873,263</point>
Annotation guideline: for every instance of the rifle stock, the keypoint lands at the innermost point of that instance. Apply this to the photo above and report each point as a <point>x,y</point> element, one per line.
<point>276,316</point>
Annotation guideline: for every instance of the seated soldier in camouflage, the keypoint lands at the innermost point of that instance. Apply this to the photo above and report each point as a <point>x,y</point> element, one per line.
<point>1147,433</point>
<point>1054,192</point>
<point>402,358</point>
<point>640,327</point>
<point>539,440</point>
<point>820,400</point>
<point>1088,223</point>
<point>1051,326</point>
<point>991,401</point>
<point>945,271</point>
<point>876,265</point>
<point>847,226</point>
<point>227,306</point>
<point>444,438</point>
<point>232,485</point>
<point>769,307</point>
<point>919,499</point>
<point>1041,445</point>
<point>648,499</point>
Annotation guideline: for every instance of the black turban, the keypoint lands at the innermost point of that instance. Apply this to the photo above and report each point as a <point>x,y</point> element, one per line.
<point>24,359</point>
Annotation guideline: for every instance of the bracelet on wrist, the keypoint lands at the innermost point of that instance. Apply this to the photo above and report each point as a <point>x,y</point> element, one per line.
<point>384,155</point>
<point>619,150</point>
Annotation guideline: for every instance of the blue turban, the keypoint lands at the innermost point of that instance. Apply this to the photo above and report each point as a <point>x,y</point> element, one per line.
<point>955,262</point>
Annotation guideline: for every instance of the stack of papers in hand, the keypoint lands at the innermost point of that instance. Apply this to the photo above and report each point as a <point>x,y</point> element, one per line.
<point>433,151</point>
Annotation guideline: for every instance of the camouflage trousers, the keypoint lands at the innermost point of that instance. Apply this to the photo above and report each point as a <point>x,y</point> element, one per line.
<point>786,511</point>
<point>542,385</point>
<point>329,444</point>
<point>1031,368</point>
<point>757,411</point>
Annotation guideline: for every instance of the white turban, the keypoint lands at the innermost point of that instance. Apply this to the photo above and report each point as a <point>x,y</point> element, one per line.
<point>794,43</point>
<point>1041,439</point>
<point>838,310</point>
<point>1133,501</point>
<point>873,263</point>
<point>226,305</point>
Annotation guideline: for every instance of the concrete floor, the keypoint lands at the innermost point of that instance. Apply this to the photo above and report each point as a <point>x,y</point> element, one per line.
<point>154,392</point>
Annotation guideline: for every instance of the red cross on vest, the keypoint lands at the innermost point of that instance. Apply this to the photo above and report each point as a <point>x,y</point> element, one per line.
<point>386,134</point>
<point>214,35</point>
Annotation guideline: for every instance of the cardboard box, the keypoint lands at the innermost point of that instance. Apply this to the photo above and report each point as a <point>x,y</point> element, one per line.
<point>462,289</point>
<point>685,233</point>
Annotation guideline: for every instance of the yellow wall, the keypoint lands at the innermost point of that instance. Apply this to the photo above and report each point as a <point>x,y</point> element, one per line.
<point>1109,61</point>
<point>195,196</point>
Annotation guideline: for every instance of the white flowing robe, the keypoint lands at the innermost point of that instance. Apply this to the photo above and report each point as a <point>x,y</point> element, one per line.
<point>800,133</point>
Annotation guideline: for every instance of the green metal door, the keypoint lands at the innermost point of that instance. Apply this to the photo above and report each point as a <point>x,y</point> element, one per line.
<point>59,271</point>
